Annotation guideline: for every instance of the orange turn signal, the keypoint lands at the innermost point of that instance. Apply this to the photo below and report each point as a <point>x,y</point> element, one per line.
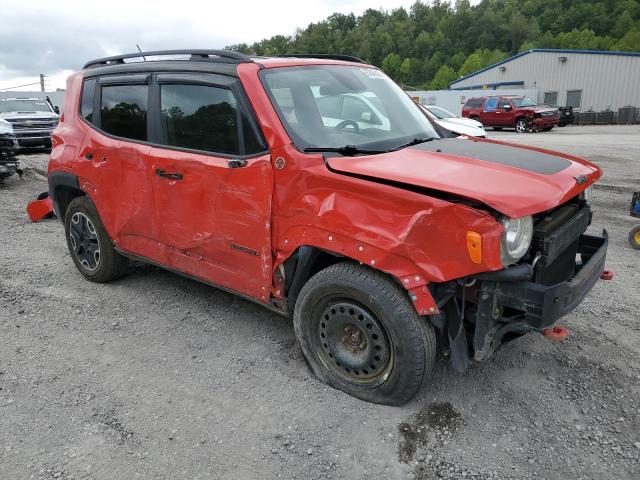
<point>474,246</point>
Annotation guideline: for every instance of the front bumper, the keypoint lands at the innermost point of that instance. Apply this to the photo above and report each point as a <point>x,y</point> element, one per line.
<point>543,305</point>
<point>544,122</point>
<point>33,137</point>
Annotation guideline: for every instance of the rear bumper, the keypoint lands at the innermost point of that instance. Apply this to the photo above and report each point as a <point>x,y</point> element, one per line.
<point>543,305</point>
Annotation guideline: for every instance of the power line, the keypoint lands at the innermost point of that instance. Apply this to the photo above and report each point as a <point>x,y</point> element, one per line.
<point>19,86</point>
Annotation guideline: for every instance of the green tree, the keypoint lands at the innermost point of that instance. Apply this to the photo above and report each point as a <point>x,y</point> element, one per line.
<point>442,78</point>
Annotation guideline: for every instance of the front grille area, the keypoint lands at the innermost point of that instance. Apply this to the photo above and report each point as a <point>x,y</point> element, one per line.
<point>555,238</point>
<point>33,124</point>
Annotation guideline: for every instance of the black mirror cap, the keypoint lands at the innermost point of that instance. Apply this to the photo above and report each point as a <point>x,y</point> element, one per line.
<point>56,109</point>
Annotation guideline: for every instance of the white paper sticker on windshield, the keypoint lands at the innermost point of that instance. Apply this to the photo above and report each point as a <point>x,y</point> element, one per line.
<point>372,72</point>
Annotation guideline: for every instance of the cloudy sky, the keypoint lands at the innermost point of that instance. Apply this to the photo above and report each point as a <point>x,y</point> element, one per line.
<point>57,37</point>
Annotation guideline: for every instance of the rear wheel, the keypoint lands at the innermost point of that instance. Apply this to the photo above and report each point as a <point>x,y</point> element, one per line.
<point>634,238</point>
<point>359,333</point>
<point>522,125</point>
<point>89,244</point>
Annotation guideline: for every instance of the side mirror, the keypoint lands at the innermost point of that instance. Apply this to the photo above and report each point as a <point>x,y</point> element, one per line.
<point>507,107</point>
<point>56,109</point>
<point>365,117</point>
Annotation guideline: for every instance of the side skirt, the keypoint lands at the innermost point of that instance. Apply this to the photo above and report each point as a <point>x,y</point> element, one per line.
<point>139,258</point>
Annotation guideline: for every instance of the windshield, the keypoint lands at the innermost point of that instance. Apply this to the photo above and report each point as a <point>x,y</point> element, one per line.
<point>441,113</point>
<point>523,102</point>
<point>24,105</point>
<point>333,106</point>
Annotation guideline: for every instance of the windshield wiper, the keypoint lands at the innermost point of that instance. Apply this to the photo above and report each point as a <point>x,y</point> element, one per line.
<point>415,141</point>
<point>347,150</point>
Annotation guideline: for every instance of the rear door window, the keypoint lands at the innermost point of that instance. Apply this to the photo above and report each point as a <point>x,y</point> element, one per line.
<point>123,111</point>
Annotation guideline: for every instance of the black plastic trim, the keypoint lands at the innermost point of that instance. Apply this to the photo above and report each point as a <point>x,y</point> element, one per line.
<point>61,179</point>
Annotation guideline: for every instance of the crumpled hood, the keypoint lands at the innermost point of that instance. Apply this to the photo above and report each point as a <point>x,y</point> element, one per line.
<point>512,179</point>
<point>543,108</point>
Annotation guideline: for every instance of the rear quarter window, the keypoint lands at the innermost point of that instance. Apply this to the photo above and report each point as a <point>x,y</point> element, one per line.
<point>86,101</point>
<point>473,103</point>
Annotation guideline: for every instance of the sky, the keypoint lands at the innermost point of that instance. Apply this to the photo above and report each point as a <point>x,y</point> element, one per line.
<point>56,38</point>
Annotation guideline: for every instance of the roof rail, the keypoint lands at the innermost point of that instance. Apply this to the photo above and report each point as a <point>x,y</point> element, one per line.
<point>195,55</point>
<point>330,56</point>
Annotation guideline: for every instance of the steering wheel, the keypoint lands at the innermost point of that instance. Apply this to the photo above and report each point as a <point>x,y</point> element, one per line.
<point>346,123</point>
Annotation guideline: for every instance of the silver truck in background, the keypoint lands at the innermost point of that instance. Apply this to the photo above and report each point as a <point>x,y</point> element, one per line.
<point>33,120</point>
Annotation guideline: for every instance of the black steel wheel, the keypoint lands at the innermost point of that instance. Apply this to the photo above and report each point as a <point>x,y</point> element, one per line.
<point>89,245</point>
<point>352,339</point>
<point>360,333</point>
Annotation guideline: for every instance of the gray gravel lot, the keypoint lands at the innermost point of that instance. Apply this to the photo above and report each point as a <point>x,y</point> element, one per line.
<point>157,376</point>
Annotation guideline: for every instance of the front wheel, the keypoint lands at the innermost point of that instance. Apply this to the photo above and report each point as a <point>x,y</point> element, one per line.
<point>522,125</point>
<point>90,245</point>
<point>360,334</point>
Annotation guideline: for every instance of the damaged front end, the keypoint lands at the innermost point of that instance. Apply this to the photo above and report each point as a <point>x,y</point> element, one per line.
<point>8,146</point>
<point>482,311</point>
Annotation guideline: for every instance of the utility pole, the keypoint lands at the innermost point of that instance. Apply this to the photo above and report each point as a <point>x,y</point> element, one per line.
<point>42,82</point>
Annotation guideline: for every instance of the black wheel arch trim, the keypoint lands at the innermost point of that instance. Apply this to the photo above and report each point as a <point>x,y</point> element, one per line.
<point>57,180</point>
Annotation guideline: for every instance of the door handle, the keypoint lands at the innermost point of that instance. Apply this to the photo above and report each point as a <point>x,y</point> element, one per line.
<point>237,163</point>
<point>171,176</point>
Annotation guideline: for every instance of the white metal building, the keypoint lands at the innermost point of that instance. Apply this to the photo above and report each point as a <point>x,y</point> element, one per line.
<point>583,79</point>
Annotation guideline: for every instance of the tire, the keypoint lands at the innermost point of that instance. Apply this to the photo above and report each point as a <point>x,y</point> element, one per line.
<point>634,238</point>
<point>359,333</point>
<point>89,245</point>
<point>522,125</point>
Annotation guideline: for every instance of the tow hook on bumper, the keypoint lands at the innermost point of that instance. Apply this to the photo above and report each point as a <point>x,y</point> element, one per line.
<point>40,207</point>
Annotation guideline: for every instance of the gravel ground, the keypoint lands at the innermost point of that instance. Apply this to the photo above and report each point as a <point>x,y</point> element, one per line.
<point>157,376</point>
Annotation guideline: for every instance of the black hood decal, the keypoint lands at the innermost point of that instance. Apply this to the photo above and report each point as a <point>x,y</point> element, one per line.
<point>522,158</point>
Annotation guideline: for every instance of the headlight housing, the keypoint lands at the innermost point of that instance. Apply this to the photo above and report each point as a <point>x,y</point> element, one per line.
<point>516,238</point>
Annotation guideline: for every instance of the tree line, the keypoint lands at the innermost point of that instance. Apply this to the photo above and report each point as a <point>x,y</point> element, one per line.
<point>435,43</point>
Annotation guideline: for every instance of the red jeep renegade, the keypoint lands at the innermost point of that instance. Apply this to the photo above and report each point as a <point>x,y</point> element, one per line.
<point>520,113</point>
<point>317,188</point>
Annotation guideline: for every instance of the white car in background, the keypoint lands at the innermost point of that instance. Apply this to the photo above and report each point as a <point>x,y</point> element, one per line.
<point>453,123</point>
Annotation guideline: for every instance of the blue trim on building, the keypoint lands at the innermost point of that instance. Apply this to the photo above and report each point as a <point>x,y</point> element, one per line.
<point>547,50</point>
<point>491,86</point>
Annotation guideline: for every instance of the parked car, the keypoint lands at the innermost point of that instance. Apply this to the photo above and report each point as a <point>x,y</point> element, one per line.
<point>381,239</point>
<point>566,116</point>
<point>8,146</point>
<point>453,123</point>
<point>33,120</point>
<point>520,113</point>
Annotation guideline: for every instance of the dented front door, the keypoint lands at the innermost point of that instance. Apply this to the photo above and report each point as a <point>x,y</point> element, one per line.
<point>214,217</point>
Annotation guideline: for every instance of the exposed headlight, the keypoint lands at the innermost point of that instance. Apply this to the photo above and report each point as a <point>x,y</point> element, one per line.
<point>586,195</point>
<point>515,239</point>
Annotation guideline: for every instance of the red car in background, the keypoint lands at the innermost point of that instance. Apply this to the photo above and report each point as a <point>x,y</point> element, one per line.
<point>520,113</point>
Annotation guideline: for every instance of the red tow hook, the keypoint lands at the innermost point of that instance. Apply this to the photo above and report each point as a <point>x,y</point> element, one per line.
<point>607,275</point>
<point>41,207</point>
<point>557,333</point>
